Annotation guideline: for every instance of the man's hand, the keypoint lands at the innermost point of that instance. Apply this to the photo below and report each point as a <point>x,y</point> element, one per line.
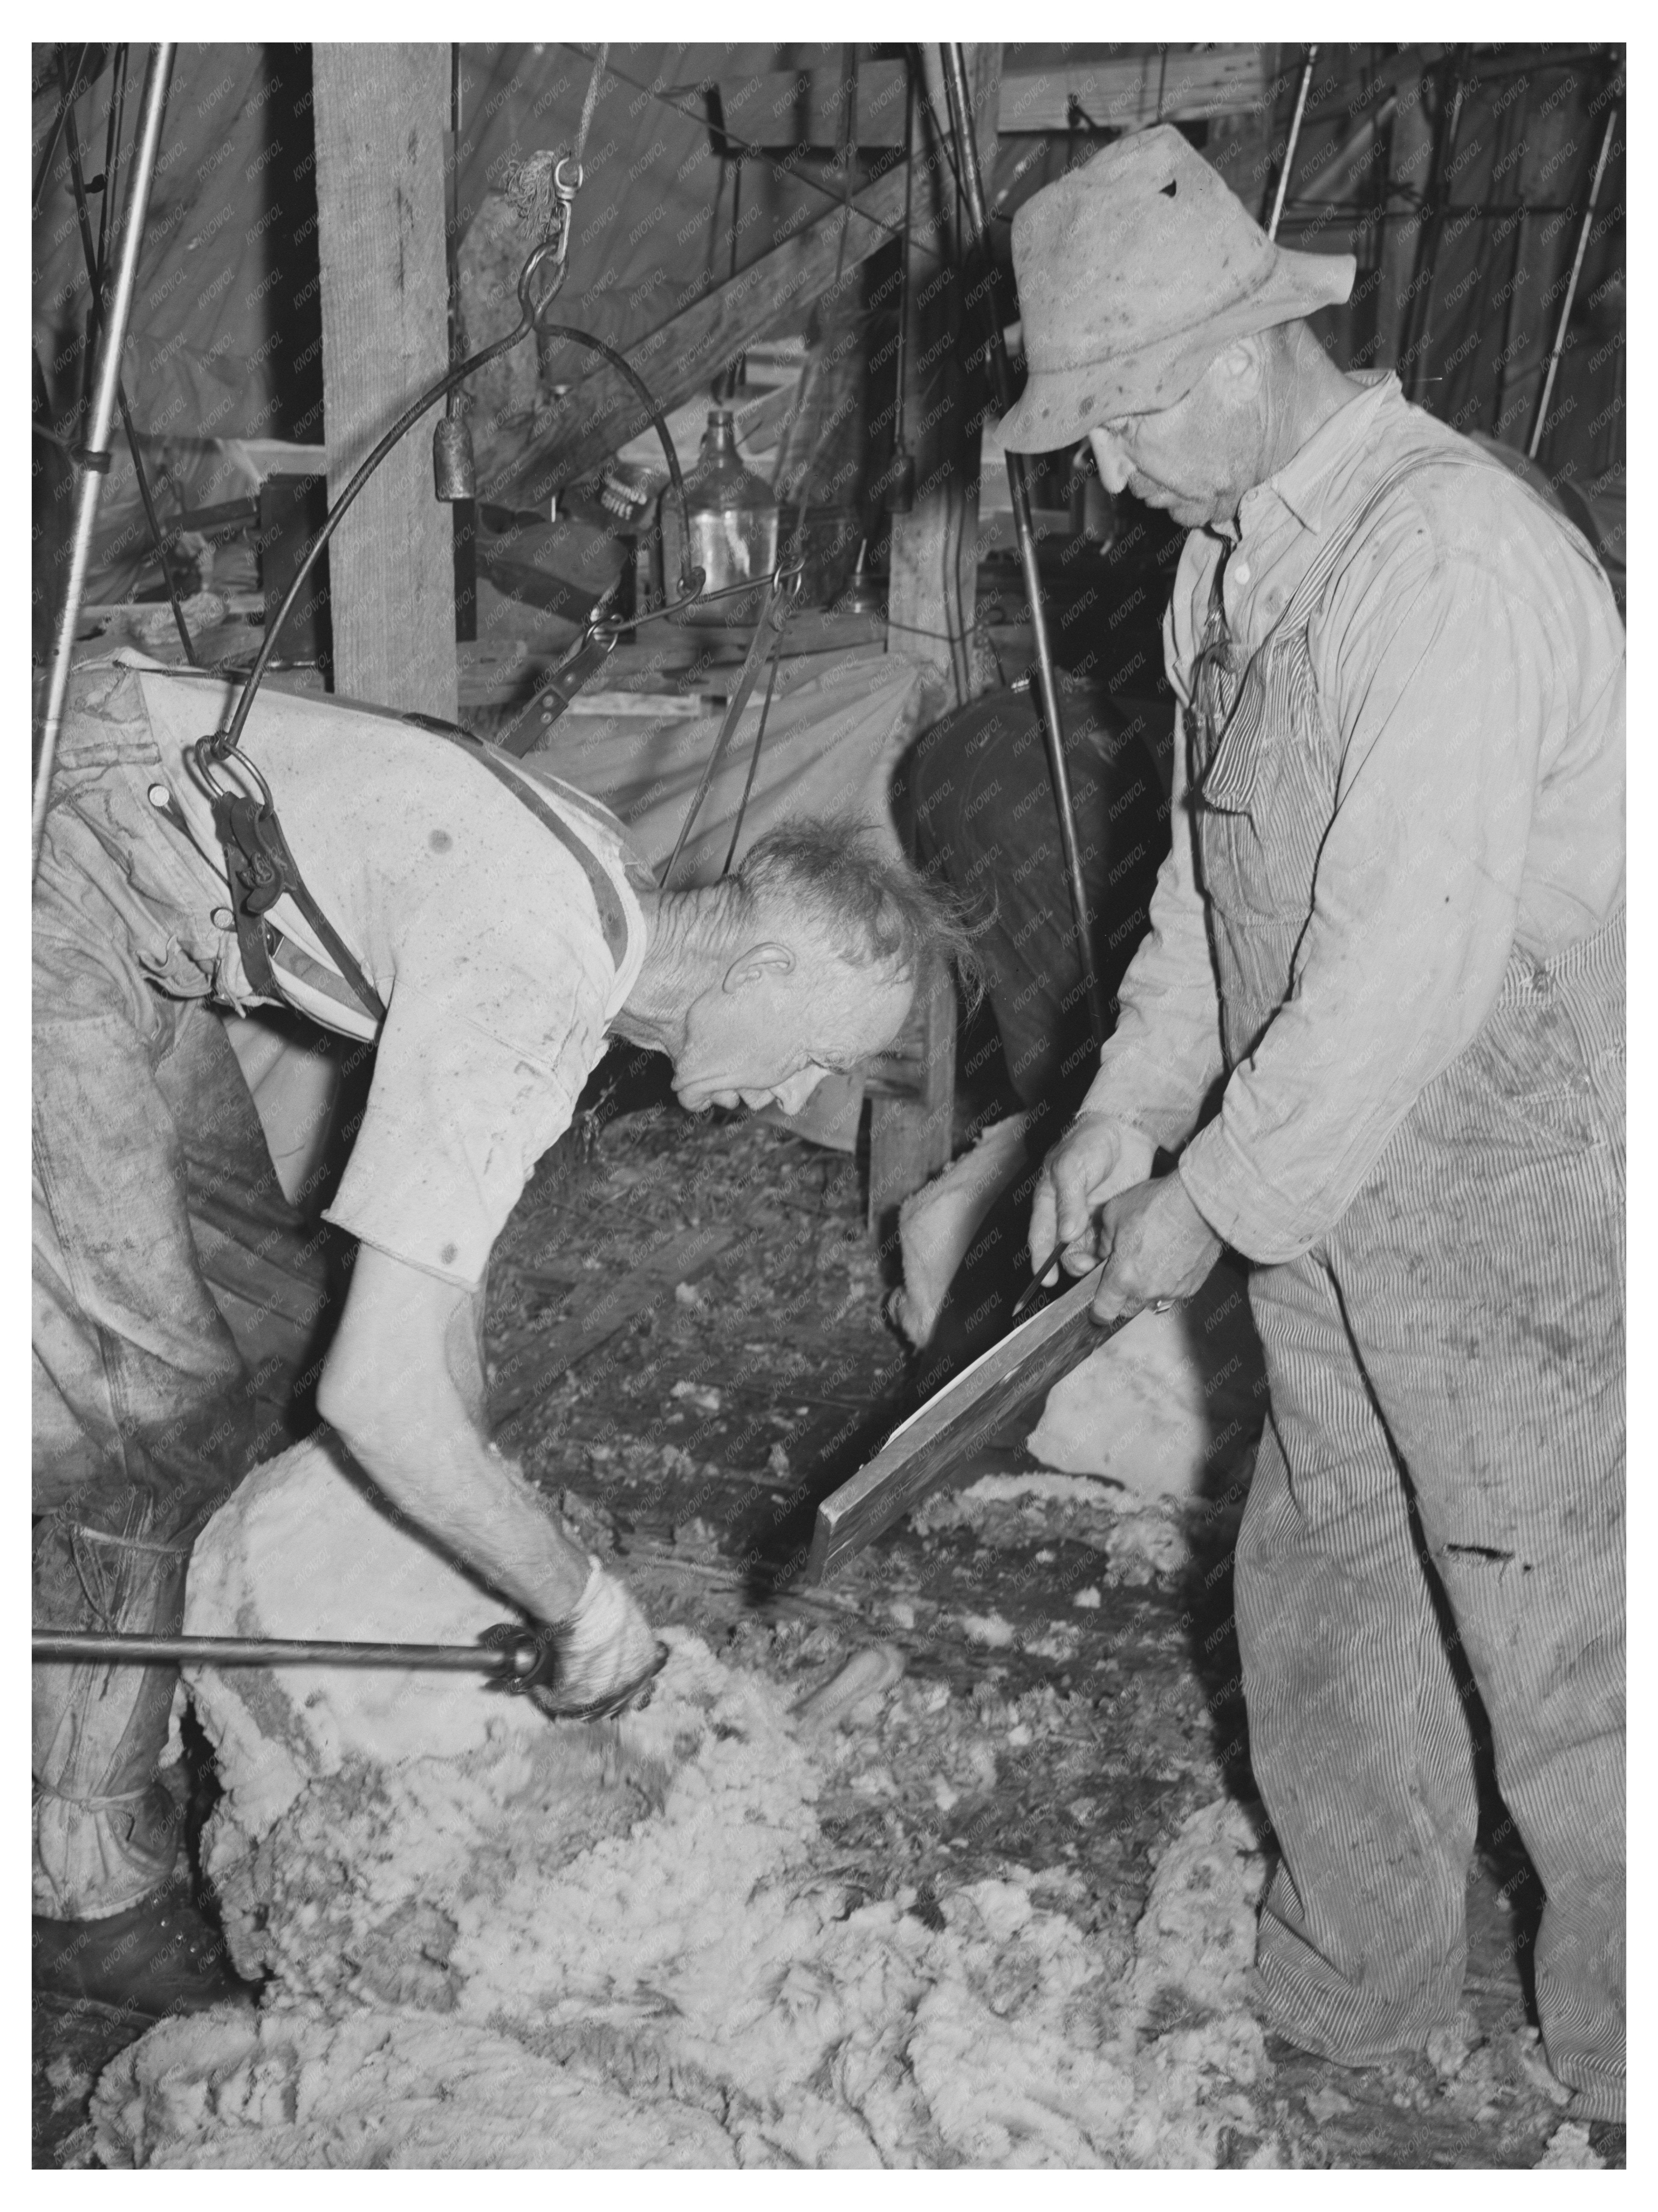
<point>1096,1158</point>
<point>605,1648</point>
<point>1156,1245</point>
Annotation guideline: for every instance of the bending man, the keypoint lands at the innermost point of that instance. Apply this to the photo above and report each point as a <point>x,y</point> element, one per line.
<point>500,919</point>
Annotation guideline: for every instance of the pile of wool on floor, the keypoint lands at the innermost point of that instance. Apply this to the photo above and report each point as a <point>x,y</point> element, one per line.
<point>496,1942</point>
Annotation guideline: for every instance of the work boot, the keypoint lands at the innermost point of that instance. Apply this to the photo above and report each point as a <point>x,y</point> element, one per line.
<point>157,1958</point>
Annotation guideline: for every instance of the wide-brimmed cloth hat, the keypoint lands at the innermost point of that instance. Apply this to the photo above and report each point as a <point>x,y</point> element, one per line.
<point>1134,272</point>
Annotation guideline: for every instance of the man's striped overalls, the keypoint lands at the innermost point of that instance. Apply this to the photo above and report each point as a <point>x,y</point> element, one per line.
<point>1446,1378</point>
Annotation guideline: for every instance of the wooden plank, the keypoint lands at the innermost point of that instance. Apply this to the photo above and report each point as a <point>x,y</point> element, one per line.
<point>1126,92</point>
<point>521,1378</point>
<point>683,354</point>
<point>380,112</point>
<point>967,1411</point>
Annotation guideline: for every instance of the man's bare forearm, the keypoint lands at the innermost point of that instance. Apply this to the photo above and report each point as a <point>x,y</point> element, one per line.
<point>480,1508</point>
<point>403,1386</point>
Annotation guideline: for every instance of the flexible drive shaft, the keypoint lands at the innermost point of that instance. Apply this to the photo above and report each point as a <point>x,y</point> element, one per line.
<point>516,1652</point>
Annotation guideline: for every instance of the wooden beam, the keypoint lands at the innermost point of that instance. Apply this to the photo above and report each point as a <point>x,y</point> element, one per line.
<point>683,354</point>
<point>380,113</point>
<point>968,1411</point>
<point>1126,92</point>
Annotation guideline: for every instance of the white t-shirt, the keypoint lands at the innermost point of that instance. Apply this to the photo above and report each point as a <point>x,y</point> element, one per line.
<point>500,957</point>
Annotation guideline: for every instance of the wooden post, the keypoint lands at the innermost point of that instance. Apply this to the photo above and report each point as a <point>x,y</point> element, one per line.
<point>381,114</point>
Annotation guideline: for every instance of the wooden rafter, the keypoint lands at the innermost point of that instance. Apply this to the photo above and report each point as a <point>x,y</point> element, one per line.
<point>683,352</point>
<point>1126,92</point>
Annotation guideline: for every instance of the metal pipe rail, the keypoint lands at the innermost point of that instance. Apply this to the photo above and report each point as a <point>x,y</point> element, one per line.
<point>1294,142</point>
<point>1566,305</point>
<point>96,456</point>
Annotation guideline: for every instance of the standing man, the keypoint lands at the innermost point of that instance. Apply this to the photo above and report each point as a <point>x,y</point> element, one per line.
<point>488,929</point>
<point>1380,1020</point>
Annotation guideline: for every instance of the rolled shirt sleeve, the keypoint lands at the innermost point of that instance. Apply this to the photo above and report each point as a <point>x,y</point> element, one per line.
<point>1440,682</point>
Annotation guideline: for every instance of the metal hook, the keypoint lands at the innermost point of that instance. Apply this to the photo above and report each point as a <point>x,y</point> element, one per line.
<point>550,250</point>
<point>207,757</point>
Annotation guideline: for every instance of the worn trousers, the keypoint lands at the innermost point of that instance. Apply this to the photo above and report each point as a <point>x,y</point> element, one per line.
<point>178,1302</point>
<point>1453,1354</point>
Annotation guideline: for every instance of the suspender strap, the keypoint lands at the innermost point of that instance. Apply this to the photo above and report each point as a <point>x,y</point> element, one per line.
<point>261,870</point>
<point>1228,778</point>
<point>1324,566</point>
<point>612,916</point>
<point>1319,574</point>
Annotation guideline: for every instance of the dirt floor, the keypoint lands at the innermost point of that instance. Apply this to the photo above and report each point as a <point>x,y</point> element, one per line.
<point>1085,1661</point>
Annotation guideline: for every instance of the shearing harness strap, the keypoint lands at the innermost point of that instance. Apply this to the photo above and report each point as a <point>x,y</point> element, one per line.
<point>261,869</point>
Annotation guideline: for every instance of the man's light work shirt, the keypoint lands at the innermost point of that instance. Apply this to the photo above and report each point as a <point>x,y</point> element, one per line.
<point>480,931</point>
<point>1468,659</point>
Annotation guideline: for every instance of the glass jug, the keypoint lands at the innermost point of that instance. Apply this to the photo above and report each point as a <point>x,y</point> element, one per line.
<point>733,520</point>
